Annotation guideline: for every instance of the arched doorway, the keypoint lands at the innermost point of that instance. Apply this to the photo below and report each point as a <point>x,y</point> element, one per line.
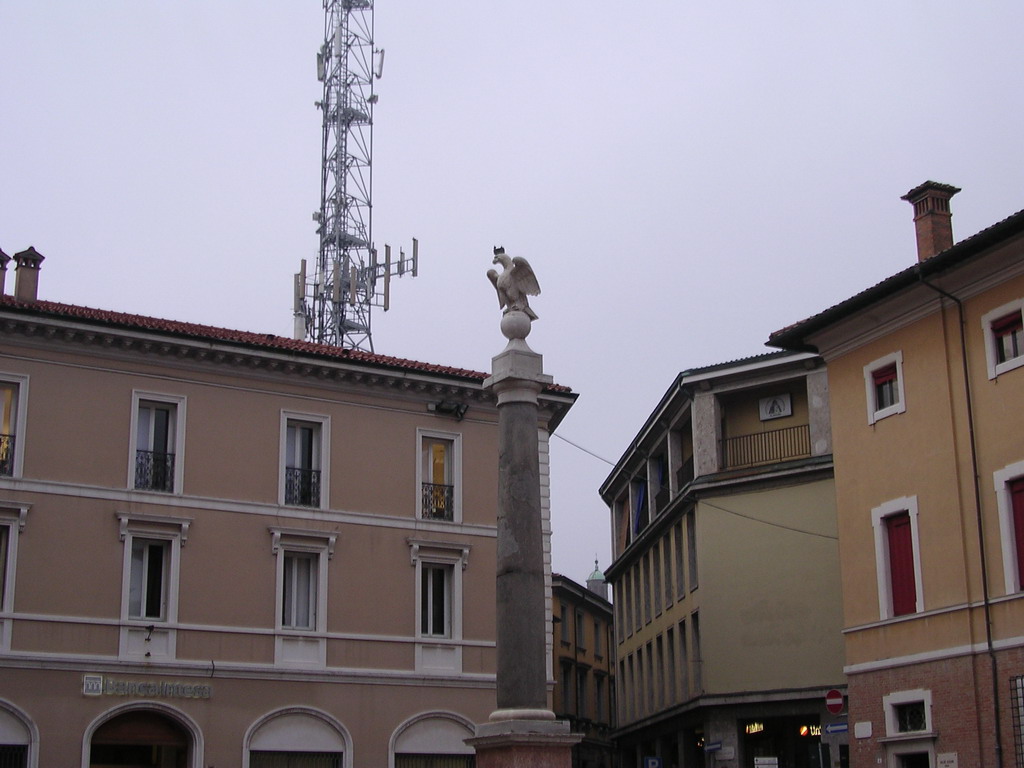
<point>140,739</point>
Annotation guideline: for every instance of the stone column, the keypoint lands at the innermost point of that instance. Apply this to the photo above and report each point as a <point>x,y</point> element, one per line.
<point>522,730</point>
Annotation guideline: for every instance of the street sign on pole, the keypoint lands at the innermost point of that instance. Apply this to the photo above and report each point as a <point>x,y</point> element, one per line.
<point>842,727</point>
<point>834,701</point>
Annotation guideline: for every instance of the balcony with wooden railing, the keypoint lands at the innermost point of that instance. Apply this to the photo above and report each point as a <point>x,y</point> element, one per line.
<point>766,447</point>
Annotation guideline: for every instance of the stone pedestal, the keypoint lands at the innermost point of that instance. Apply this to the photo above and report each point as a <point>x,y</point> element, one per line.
<point>524,744</point>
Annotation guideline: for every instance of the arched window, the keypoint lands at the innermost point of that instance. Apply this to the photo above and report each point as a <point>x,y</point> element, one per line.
<point>433,740</point>
<point>298,738</point>
<point>16,739</point>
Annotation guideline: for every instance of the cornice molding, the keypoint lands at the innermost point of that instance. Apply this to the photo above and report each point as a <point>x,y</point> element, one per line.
<point>149,347</point>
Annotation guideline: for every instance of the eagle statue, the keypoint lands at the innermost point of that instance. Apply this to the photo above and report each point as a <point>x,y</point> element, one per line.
<point>515,283</point>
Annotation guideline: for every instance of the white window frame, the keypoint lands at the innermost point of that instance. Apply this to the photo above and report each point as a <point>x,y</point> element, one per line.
<point>874,412</point>
<point>996,368</point>
<point>1001,480</point>
<point>891,700</point>
<point>296,646</point>
<point>435,654</point>
<point>178,403</point>
<point>141,637</point>
<point>906,504</point>
<point>455,438</point>
<point>20,420</point>
<point>324,454</point>
<point>12,521</point>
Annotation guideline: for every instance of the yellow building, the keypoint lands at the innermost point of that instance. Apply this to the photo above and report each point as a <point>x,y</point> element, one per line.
<point>726,572</point>
<point>223,548</point>
<point>583,663</point>
<point>926,377</point>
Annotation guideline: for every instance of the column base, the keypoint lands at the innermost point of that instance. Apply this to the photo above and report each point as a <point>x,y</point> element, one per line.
<point>524,744</point>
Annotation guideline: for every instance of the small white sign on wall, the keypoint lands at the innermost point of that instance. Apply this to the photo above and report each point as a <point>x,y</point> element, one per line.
<point>947,760</point>
<point>775,407</point>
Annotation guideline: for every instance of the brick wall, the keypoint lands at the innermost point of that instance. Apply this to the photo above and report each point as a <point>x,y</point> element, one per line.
<point>962,708</point>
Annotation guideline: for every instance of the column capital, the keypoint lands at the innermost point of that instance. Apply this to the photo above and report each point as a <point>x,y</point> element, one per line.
<point>517,374</point>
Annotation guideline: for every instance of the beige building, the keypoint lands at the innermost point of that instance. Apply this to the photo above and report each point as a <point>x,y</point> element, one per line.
<point>584,667</point>
<point>726,572</point>
<point>222,548</point>
<point>926,374</point>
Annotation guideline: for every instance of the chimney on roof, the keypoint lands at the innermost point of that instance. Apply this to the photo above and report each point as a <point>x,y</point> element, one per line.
<point>932,217</point>
<point>26,276</point>
<point>4,261</point>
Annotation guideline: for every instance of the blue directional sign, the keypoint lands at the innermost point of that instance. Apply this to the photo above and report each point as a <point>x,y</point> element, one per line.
<point>842,727</point>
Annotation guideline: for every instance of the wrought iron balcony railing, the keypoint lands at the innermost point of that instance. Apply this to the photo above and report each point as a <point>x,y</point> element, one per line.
<point>438,502</point>
<point>6,454</point>
<point>766,447</point>
<point>302,487</point>
<point>154,471</point>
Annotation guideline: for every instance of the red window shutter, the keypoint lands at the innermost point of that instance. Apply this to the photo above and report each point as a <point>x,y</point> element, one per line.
<point>883,375</point>
<point>1017,499</point>
<point>1012,322</point>
<point>901,564</point>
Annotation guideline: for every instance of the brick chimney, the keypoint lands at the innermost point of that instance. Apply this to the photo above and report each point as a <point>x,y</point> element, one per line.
<point>4,261</point>
<point>26,276</point>
<point>932,217</point>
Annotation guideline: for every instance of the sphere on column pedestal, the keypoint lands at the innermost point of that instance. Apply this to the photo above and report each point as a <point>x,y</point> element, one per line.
<point>515,325</point>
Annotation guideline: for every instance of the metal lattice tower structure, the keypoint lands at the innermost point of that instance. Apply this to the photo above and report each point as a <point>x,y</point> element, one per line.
<point>332,306</point>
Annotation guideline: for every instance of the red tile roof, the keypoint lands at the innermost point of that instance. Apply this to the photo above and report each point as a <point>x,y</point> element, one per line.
<point>258,341</point>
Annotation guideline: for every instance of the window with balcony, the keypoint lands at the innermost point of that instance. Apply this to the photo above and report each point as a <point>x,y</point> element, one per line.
<point>883,382</point>
<point>1004,337</point>
<point>154,452</point>
<point>659,482</point>
<point>639,500</point>
<point>439,474</point>
<point>304,460</point>
<point>13,396</point>
<point>157,438</point>
<point>897,558</point>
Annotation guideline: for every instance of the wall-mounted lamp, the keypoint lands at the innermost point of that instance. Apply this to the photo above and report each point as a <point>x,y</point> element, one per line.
<point>449,408</point>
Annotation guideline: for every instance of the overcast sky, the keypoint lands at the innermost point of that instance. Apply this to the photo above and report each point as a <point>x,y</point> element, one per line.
<point>685,177</point>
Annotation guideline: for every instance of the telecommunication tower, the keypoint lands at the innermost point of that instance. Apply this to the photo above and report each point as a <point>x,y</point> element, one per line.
<point>332,306</point>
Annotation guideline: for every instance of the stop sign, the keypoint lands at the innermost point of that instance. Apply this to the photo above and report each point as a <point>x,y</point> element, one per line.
<point>834,701</point>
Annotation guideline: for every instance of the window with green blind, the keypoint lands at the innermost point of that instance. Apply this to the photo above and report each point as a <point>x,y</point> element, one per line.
<point>434,761</point>
<point>295,759</point>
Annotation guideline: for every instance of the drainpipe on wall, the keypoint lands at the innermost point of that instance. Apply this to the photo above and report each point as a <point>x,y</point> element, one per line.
<point>986,600</point>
